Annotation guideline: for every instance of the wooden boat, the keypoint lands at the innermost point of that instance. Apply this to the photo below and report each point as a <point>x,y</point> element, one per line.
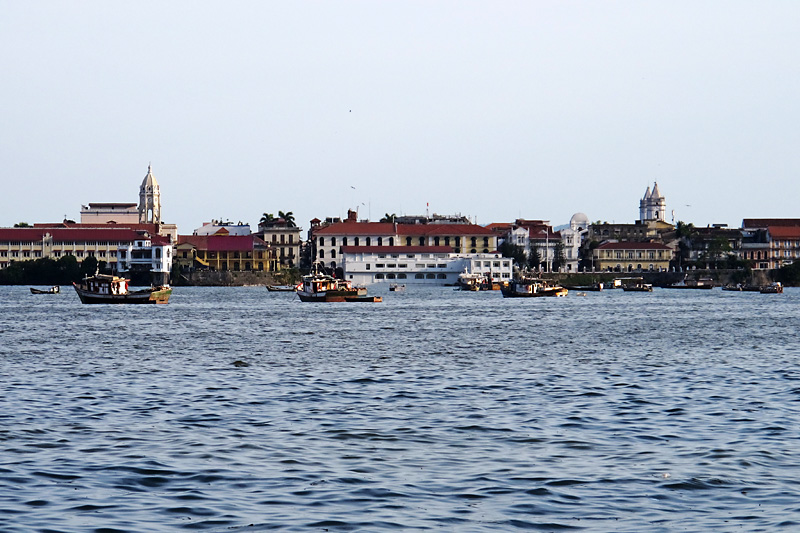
<point>55,289</point>
<point>105,289</point>
<point>773,288</point>
<point>532,288</point>
<point>397,287</point>
<point>321,287</point>
<point>737,287</point>
<point>703,283</point>
<point>283,288</point>
<point>592,287</point>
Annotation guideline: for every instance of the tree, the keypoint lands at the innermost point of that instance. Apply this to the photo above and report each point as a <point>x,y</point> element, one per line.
<point>288,218</point>
<point>267,218</point>
<point>22,225</point>
<point>389,218</point>
<point>559,259</point>
<point>534,257</point>
<point>507,249</point>
<point>88,266</point>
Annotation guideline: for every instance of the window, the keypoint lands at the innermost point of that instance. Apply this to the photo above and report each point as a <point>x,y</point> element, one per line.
<point>356,241</point>
<point>419,276</point>
<point>391,241</point>
<point>369,241</point>
<point>333,253</point>
<point>408,241</point>
<point>430,276</point>
<point>321,241</point>
<point>368,265</point>
<point>379,276</point>
<point>322,254</point>
<point>344,241</point>
<point>333,241</point>
<point>422,241</point>
<point>389,276</point>
<point>391,265</point>
<point>380,241</point>
<point>401,276</point>
<point>441,276</point>
<point>441,265</point>
<point>380,265</point>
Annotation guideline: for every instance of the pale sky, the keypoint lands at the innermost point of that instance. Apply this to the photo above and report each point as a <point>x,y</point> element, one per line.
<point>496,110</point>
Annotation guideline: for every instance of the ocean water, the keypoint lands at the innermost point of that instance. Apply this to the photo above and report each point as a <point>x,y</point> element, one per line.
<point>239,410</point>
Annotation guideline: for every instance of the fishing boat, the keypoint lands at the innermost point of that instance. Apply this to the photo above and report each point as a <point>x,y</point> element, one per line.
<point>321,287</point>
<point>702,283</point>
<point>106,289</point>
<point>469,281</point>
<point>532,288</point>
<point>773,288</point>
<point>55,289</point>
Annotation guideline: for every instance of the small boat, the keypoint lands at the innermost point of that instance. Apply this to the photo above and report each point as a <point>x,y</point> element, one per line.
<point>592,287</point>
<point>397,287</point>
<point>106,289</point>
<point>773,288</point>
<point>637,285</point>
<point>468,281</point>
<point>702,283</point>
<point>283,288</point>
<point>321,287</point>
<point>55,289</point>
<point>532,288</point>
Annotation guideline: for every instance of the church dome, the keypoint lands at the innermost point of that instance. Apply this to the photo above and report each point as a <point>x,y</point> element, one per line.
<point>149,183</point>
<point>579,220</point>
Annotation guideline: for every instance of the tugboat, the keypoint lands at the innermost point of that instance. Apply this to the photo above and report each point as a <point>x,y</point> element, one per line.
<point>106,289</point>
<point>321,287</point>
<point>532,288</point>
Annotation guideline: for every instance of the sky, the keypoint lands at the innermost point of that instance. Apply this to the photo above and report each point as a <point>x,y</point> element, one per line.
<point>494,110</point>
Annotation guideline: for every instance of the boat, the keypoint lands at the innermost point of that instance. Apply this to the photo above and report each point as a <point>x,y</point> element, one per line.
<point>636,285</point>
<point>732,287</point>
<point>321,287</point>
<point>592,287</point>
<point>773,288</point>
<point>531,288</point>
<point>702,283</point>
<point>397,287</point>
<point>283,288</point>
<point>107,289</point>
<point>55,289</point>
<point>469,281</point>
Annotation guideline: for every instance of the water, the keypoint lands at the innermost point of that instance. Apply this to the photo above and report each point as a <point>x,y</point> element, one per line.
<point>235,409</point>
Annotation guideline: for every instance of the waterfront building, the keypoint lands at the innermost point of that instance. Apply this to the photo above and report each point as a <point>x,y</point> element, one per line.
<point>426,265</point>
<point>631,256</point>
<point>770,242</point>
<point>224,252</point>
<point>572,239</point>
<point>550,243</point>
<point>284,238</point>
<point>328,240</point>
<point>146,258</point>
<point>57,241</point>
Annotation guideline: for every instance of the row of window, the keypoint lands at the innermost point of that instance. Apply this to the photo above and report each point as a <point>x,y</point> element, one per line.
<point>632,255</point>
<point>421,241</point>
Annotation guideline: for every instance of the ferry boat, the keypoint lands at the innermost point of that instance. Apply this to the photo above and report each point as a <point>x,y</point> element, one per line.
<point>532,288</point>
<point>321,287</point>
<point>106,289</point>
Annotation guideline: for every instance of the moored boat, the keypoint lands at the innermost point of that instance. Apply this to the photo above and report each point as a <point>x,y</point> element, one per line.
<point>773,288</point>
<point>55,289</point>
<point>702,283</point>
<point>321,287</point>
<point>397,287</point>
<point>532,288</point>
<point>106,289</point>
<point>636,285</point>
<point>283,288</point>
<point>591,287</point>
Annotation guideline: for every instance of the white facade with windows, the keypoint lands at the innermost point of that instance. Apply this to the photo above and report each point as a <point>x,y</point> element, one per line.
<point>365,265</point>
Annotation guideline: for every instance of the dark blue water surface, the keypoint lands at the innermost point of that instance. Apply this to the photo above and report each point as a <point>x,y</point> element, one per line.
<point>236,409</point>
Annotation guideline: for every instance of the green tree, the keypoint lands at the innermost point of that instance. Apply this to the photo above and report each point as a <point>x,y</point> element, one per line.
<point>88,266</point>
<point>22,225</point>
<point>267,218</point>
<point>559,259</point>
<point>68,270</point>
<point>534,257</point>
<point>288,218</point>
<point>516,252</point>
<point>389,218</point>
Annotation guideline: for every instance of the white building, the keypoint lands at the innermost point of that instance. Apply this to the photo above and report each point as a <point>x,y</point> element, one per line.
<point>653,206</point>
<point>572,238</point>
<point>430,265</point>
<point>146,254</point>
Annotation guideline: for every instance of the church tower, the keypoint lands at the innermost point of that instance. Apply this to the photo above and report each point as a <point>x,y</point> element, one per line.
<point>653,206</point>
<point>149,200</point>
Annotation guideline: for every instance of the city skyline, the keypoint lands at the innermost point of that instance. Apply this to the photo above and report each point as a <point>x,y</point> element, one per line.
<point>496,112</point>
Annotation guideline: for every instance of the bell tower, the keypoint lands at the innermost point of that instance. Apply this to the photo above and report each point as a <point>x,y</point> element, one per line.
<point>149,200</point>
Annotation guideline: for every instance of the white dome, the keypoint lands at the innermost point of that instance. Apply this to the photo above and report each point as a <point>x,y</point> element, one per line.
<point>579,220</point>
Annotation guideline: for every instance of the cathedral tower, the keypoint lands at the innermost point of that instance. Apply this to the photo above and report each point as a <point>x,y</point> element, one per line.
<point>653,206</point>
<point>149,200</point>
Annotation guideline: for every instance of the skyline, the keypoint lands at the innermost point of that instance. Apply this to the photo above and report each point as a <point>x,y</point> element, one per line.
<point>511,110</point>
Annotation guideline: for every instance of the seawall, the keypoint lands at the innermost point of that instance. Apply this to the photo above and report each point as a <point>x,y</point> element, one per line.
<point>223,278</point>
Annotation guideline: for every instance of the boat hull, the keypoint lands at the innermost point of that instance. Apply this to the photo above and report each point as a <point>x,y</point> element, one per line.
<point>159,295</point>
<point>336,296</point>
<point>554,292</point>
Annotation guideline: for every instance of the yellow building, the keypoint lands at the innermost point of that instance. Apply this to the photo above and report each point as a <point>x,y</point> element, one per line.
<point>631,256</point>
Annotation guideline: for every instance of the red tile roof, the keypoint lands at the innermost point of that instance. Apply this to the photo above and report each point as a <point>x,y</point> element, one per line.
<point>68,234</point>
<point>222,243</point>
<point>754,223</point>
<point>387,228</point>
<point>784,232</point>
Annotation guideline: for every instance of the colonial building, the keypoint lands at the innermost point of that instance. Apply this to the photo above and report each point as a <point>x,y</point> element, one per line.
<point>109,213</point>
<point>653,206</point>
<point>427,265</point>
<point>224,252</point>
<point>284,238</point>
<point>328,240</point>
<point>54,242</point>
<point>148,257</point>
<point>770,242</point>
<point>632,256</point>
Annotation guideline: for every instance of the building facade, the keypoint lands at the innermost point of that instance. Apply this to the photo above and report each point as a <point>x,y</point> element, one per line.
<point>632,256</point>
<point>425,265</point>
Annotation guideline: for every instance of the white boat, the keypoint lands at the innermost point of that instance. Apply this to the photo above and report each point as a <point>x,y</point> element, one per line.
<point>532,288</point>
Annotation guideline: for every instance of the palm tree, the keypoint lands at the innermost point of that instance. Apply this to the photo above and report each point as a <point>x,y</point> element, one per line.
<point>389,218</point>
<point>266,219</point>
<point>287,217</point>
